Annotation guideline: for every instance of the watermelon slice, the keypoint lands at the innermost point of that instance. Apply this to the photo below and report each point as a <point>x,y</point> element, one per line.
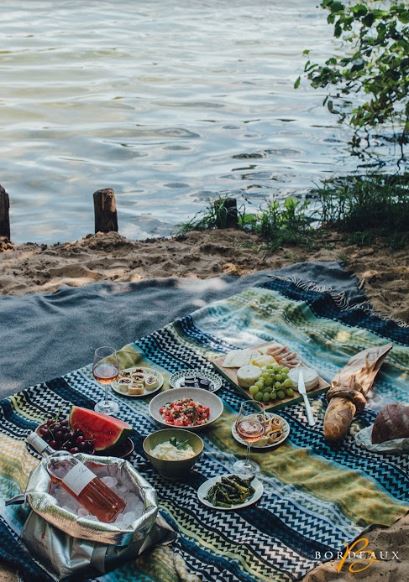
<point>104,430</point>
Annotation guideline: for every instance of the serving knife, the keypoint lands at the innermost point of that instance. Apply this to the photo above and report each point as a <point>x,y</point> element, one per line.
<point>301,389</point>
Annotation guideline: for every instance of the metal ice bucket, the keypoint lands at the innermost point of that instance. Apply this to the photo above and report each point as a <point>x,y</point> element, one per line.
<point>67,544</point>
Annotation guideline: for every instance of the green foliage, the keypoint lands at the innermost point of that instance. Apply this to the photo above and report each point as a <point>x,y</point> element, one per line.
<point>367,206</point>
<point>278,223</point>
<point>286,223</point>
<point>369,84</point>
<point>364,207</point>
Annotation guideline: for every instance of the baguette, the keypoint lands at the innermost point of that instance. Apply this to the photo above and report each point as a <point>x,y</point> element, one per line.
<point>338,418</point>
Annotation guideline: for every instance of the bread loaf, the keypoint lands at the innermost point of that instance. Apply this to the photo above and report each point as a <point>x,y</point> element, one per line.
<point>349,389</point>
<point>338,418</point>
<point>392,422</point>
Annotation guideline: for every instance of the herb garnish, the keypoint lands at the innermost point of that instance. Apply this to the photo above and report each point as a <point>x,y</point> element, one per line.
<point>181,445</point>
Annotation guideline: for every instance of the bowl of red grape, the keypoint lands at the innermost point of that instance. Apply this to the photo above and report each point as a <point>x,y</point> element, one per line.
<point>59,435</point>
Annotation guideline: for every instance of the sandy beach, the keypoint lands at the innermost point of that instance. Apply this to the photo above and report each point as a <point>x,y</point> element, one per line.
<point>30,268</point>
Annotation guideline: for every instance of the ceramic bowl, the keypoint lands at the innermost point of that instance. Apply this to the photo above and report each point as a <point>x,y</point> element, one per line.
<point>197,394</point>
<point>173,470</point>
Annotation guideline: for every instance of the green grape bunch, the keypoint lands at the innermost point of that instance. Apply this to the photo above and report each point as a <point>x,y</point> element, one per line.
<point>273,384</point>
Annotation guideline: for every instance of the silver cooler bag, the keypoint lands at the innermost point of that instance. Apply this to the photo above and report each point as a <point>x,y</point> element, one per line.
<point>70,545</point>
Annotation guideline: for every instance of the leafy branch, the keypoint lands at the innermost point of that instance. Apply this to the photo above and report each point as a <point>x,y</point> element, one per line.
<point>368,86</point>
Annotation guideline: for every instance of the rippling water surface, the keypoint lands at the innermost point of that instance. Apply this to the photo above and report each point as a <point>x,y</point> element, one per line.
<point>170,102</point>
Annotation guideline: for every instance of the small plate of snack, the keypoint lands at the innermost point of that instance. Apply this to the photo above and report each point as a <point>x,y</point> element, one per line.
<point>276,431</point>
<point>230,492</point>
<point>196,379</point>
<point>87,431</point>
<point>268,373</point>
<point>191,408</point>
<point>138,382</point>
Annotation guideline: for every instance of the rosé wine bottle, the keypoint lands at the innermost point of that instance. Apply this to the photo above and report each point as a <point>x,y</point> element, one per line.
<point>78,480</point>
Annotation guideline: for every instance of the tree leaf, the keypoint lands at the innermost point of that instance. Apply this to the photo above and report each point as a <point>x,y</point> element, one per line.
<point>359,10</point>
<point>368,20</point>
<point>404,16</point>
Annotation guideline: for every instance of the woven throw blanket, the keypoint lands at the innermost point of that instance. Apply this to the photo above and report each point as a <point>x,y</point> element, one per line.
<point>316,498</point>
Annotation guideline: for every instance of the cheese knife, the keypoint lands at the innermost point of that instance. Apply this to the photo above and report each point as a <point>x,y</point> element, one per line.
<point>303,392</point>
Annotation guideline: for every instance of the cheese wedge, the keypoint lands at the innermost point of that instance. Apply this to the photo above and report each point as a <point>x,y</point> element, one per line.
<point>262,360</point>
<point>239,358</point>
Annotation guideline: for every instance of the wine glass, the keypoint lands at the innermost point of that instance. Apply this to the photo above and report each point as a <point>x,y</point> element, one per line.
<point>105,370</point>
<point>250,426</point>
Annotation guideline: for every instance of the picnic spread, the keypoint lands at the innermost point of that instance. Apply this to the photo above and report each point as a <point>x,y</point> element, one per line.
<point>320,374</point>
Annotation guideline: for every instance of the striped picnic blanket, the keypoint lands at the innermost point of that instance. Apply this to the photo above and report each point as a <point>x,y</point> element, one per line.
<point>316,498</point>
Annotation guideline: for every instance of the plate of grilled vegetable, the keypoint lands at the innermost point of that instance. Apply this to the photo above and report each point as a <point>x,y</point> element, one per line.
<point>230,492</point>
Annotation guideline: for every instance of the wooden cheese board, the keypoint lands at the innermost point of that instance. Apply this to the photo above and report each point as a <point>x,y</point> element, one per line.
<point>284,357</point>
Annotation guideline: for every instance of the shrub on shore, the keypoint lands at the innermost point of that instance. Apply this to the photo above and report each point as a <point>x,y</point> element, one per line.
<point>367,206</point>
<point>363,207</point>
<point>277,223</point>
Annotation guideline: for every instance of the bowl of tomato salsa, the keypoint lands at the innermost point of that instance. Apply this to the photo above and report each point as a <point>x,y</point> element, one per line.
<point>188,408</point>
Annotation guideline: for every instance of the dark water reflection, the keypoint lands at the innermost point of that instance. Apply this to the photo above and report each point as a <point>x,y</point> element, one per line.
<point>168,101</point>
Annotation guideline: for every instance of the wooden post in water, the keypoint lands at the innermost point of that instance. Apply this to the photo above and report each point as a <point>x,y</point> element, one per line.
<point>4,214</point>
<point>226,213</point>
<point>106,217</point>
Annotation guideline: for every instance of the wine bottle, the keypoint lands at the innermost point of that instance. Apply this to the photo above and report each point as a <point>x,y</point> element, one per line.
<point>78,480</point>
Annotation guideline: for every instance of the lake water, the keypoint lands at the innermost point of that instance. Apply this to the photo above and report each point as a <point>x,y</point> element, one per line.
<point>169,102</point>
